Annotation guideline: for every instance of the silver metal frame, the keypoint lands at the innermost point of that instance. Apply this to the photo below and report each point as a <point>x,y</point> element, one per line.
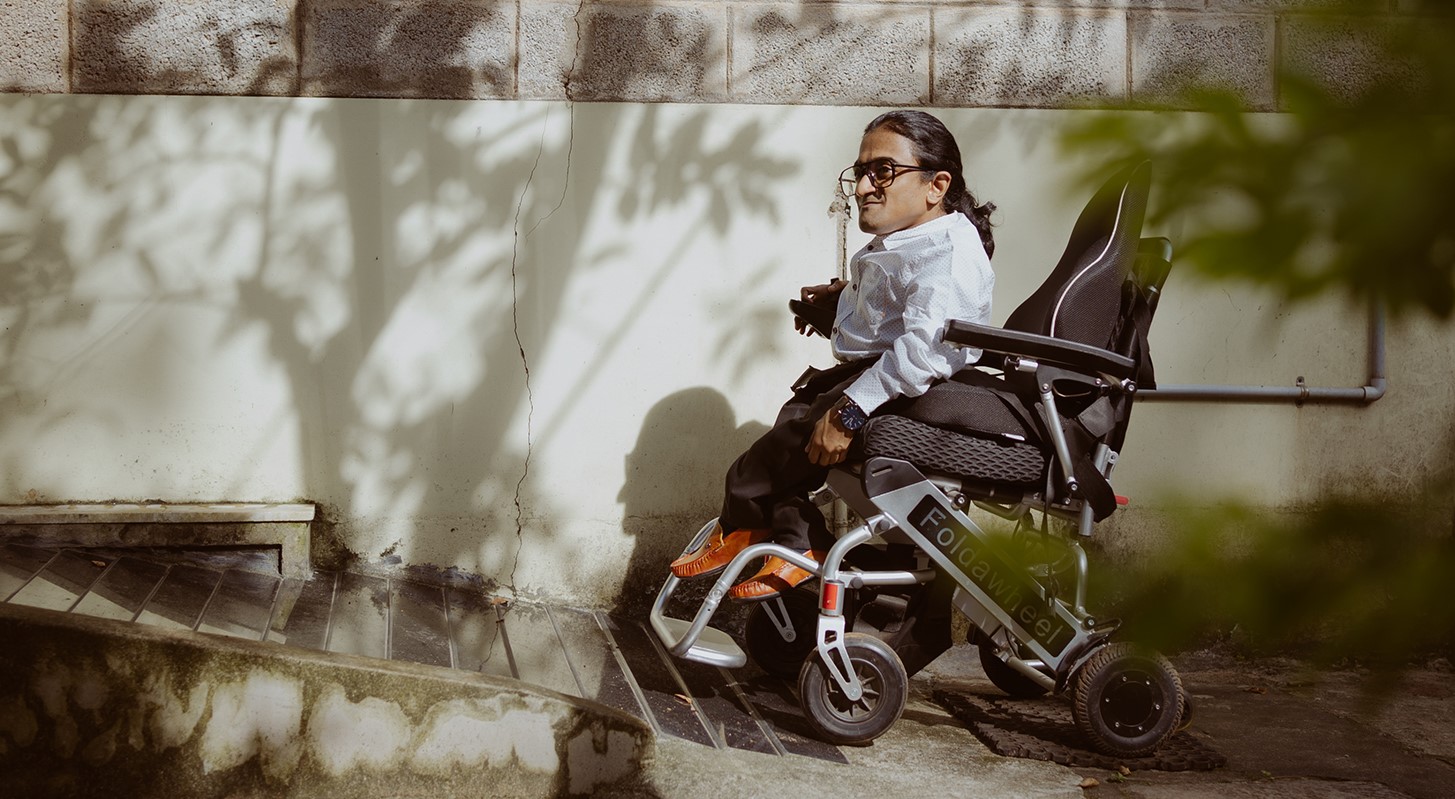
<point>696,641</point>
<point>893,512</point>
<point>899,505</point>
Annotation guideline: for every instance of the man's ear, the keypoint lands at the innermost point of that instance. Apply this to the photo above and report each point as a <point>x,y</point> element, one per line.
<point>939,186</point>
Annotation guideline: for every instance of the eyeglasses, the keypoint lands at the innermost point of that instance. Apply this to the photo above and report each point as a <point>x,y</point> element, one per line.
<point>881,174</point>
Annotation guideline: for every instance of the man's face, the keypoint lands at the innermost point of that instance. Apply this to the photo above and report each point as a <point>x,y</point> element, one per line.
<point>913,198</point>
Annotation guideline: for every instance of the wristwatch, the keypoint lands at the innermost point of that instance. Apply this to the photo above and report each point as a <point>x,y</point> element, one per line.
<point>851,416</point>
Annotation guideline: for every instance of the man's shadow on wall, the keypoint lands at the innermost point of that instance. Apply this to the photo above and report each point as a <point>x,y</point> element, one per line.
<point>674,485</point>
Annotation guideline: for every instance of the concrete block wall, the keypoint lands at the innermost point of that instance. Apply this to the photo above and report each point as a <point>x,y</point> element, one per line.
<point>950,53</point>
<point>373,314</point>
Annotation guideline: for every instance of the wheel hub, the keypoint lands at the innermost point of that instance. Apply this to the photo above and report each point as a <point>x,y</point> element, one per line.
<point>854,710</point>
<point>1132,703</point>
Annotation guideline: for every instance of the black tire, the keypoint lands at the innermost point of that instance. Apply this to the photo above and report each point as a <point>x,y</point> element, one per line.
<point>1186,721</point>
<point>766,646</point>
<point>1128,700</point>
<point>1007,679</point>
<point>886,687</point>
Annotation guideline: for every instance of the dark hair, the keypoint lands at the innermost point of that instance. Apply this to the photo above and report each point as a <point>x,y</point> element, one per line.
<point>934,146</point>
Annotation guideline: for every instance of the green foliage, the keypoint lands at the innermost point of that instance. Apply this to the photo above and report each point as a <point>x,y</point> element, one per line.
<point>1351,189</point>
<point>1354,578</point>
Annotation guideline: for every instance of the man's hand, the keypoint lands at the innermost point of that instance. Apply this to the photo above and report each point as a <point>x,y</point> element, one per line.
<point>830,441</point>
<point>824,294</point>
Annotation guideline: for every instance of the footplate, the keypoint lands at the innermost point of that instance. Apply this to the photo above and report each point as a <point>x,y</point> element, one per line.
<point>713,647</point>
<point>695,640</point>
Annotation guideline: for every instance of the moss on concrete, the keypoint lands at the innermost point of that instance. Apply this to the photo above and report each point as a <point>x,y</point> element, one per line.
<point>94,707</point>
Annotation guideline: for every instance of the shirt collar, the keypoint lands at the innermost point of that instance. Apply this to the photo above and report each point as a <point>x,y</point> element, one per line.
<point>900,238</point>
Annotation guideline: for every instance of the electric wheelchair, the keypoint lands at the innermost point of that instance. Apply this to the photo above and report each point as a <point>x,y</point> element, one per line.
<point>1030,434</point>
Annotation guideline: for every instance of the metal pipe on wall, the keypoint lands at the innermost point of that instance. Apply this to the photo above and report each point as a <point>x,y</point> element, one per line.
<point>1298,394</point>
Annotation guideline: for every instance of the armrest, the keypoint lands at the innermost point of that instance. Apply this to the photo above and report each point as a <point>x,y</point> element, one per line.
<point>1080,357</point>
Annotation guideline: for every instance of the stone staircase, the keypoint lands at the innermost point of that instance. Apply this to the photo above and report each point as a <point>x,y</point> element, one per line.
<point>592,655</point>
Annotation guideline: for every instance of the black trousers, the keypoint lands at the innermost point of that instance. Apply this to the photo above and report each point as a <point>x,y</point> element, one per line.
<point>768,486</point>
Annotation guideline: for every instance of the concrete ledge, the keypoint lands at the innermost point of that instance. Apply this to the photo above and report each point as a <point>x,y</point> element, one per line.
<point>286,526</point>
<point>978,53</point>
<point>156,512</point>
<point>90,706</point>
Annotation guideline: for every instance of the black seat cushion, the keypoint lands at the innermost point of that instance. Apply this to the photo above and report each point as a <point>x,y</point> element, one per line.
<point>964,456</point>
<point>970,427</point>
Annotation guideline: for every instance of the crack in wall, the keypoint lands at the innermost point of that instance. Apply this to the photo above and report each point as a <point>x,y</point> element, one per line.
<point>565,181</point>
<point>575,56</point>
<point>515,313</point>
<point>524,361</point>
<point>514,282</point>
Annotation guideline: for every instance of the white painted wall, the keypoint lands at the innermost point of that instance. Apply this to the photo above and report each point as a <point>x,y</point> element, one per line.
<point>209,298</point>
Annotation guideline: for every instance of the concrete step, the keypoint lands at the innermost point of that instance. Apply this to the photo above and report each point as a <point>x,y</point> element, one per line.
<point>280,529</point>
<point>109,687</point>
<point>99,707</point>
<point>584,654</point>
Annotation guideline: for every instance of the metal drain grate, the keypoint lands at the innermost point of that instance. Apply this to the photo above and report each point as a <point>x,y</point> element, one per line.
<point>1043,729</point>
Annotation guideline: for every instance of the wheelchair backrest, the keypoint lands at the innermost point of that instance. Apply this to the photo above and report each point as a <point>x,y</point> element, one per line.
<point>1081,300</point>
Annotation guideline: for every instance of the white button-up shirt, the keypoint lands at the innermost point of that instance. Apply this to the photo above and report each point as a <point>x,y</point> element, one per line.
<point>903,290</point>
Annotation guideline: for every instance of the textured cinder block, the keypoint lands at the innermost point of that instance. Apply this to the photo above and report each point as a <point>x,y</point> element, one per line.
<point>625,52</point>
<point>34,46</point>
<point>184,47</point>
<point>838,55</point>
<point>459,49</point>
<point>1173,53</point>
<point>1029,57</point>
<point>1346,55</point>
<point>1293,5</point>
<point>548,40</point>
<point>1117,4</point>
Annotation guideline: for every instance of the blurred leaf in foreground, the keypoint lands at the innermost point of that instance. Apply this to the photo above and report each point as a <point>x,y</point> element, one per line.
<point>1353,578</point>
<point>1350,190</point>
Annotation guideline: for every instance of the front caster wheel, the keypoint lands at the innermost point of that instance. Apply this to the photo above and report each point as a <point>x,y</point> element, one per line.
<point>1128,700</point>
<point>840,720</point>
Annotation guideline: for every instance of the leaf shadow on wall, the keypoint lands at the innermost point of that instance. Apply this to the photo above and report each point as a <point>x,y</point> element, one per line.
<point>384,278</point>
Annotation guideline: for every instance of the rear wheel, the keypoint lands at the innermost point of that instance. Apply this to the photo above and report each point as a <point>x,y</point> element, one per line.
<point>840,720</point>
<point>1128,700</point>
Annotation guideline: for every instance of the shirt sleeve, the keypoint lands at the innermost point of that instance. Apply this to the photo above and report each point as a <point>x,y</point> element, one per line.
<point>918,357</point>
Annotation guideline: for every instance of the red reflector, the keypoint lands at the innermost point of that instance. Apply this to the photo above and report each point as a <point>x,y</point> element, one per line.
<point>830,596</point>
<point>1121,500</point>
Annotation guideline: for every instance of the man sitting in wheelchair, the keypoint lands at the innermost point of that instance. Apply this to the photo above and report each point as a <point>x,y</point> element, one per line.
<point>928,263</point>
